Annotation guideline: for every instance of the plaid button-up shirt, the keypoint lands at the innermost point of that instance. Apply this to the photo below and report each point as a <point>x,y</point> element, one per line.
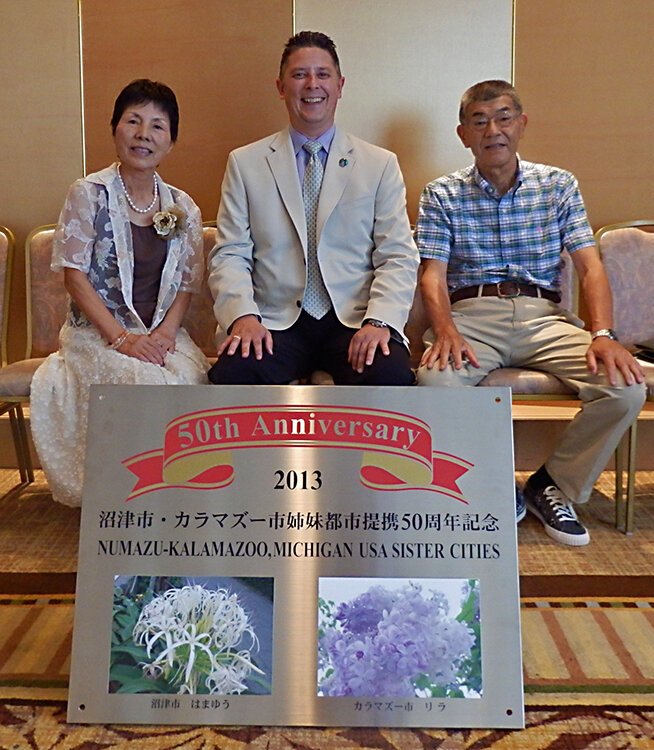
<point>486,237</point>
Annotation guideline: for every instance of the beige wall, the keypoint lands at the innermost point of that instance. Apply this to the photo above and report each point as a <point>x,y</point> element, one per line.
<point>585,68</point>
<point>40,126</point>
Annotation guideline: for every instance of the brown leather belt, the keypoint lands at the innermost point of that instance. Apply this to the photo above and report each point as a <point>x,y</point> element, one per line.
<point>507,289</point>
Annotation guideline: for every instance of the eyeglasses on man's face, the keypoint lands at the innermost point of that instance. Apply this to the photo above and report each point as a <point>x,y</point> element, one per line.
<point>503,120</point>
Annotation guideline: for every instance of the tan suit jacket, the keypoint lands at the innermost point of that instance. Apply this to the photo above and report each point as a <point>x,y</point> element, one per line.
<point>367,255</point>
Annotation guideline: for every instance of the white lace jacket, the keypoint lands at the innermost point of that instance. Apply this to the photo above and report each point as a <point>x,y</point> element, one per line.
<point>93,235</point>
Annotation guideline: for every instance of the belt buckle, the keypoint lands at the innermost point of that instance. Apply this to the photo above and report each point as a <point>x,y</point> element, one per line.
<point>512,285</point>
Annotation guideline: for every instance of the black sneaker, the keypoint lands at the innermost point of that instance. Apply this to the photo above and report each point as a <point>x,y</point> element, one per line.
<point>520,507</point>
<point>555,512</point>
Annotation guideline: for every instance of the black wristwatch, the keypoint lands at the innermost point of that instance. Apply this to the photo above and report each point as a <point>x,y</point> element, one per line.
<point>609,333</point>
<point>375,322</point>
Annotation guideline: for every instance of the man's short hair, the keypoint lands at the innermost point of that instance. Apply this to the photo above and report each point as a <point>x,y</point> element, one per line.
<point>485,91</point>
<point>309,39</point>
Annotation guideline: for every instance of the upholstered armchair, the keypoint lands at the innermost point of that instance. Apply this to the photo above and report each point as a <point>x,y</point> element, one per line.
<point>199,320</point>
<point>627,250</point>
<point>46,304</point>
<point>6,260</point>
<point>12,408</point>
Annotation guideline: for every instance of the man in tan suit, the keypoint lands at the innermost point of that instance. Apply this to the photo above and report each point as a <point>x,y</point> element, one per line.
<point>314,266</point>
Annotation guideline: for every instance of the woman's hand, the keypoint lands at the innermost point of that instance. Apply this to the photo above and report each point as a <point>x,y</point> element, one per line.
<point>141,346</point>
<point>163,339</point>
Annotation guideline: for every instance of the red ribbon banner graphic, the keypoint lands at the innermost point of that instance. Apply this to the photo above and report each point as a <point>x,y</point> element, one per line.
<point>396,448</point>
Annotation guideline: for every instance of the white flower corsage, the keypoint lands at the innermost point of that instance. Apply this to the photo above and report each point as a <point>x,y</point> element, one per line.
<point>168,223</point>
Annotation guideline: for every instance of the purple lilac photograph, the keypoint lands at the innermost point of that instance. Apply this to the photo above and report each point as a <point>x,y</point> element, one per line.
<point>399,638</point>
<point>198,636</point>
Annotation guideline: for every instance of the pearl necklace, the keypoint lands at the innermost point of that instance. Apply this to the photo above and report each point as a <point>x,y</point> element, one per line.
<point>131,202</point>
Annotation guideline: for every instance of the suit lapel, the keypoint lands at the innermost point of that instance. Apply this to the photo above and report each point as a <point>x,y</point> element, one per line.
<point>284,168</point>
<point>337,173</point>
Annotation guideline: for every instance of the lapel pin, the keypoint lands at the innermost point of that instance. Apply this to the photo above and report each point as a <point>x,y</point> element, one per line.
<point>342,163</point>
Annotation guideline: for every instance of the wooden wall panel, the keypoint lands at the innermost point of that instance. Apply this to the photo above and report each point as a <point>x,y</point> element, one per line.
<point>219,56</point>
<point>584,69</point>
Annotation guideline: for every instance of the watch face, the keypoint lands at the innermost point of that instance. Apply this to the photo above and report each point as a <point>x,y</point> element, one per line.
<point>604,332</point>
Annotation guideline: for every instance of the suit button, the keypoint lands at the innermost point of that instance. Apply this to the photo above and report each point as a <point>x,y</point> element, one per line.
<point>298,303</point>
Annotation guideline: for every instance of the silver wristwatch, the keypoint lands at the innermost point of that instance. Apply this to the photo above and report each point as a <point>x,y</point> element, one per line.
<point>375,322</point>
<point>609,333</point>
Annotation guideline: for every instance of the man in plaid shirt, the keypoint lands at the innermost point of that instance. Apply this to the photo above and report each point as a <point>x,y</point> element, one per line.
<point>490,237</point>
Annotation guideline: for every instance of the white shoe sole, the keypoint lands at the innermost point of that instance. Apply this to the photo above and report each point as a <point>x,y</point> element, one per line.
<point>570,540</point>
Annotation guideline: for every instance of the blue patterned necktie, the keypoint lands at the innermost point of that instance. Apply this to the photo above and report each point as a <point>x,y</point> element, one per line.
<point>316,297</point>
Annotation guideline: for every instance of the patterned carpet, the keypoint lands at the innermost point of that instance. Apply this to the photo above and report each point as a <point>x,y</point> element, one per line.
<point>587,623</point>
<point>557,728</point>
<point>572,649</point>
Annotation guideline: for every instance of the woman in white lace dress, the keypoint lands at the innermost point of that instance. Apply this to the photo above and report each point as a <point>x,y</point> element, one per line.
<point>130,247</point>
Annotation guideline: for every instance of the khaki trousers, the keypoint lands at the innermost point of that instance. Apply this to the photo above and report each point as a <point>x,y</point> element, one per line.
<point>538,334</point>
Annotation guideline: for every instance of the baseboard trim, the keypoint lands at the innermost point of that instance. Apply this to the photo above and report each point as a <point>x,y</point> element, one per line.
<point>589,586</point>
<point>38,583</point>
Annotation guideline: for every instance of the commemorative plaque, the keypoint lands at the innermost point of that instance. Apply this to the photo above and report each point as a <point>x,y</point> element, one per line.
<point>298,555</point>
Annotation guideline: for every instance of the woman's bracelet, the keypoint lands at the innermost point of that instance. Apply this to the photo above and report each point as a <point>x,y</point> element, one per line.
<point>120,340</point>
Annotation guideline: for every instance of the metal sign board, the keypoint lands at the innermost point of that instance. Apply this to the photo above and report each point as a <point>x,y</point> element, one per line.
<point>298,555</point>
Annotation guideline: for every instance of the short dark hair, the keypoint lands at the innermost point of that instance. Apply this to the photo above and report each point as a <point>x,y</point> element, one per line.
<point>143,91</point>
<point>485,91</point>
<point>309,39</point>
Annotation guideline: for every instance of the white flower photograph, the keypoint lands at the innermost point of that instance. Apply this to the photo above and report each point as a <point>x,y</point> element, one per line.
<point>191,636</point>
